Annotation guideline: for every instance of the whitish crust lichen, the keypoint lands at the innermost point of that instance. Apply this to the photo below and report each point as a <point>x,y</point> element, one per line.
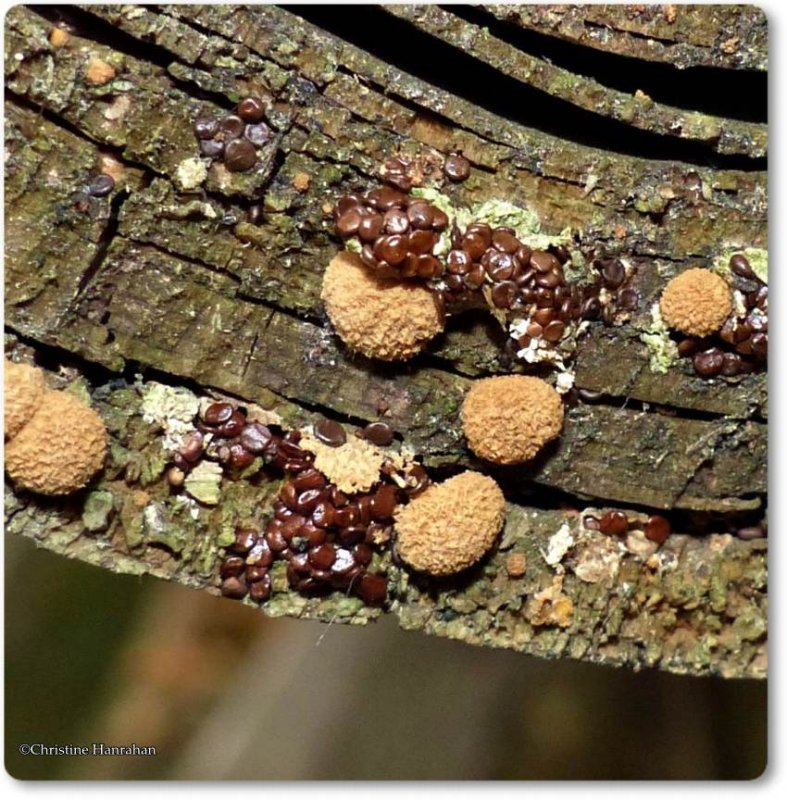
<point>354,466</point>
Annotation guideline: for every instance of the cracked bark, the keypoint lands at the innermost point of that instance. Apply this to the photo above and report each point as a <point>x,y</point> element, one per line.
<point>179,288</point>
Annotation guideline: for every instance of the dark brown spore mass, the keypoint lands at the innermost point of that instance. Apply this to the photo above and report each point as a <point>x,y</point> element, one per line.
<point>240,155</point>
<point>456,168</point>
<point>330,432</point>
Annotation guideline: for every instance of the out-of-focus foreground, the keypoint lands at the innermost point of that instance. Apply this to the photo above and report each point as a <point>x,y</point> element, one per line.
<point>223,692</point>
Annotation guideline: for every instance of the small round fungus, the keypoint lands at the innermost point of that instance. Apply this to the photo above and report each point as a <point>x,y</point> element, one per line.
<point>451,525</point>
<point>380,317</point>
<point>696,302</point>
<point>99,72</point>
<point>60,449</point>
<point>24,387</point>
<point>508,419</point>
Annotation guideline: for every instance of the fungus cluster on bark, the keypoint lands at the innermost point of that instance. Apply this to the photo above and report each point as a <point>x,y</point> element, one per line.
<point>381,318</point>
<point>54,443</point>
<point>451,525</point>
<point>696,302</point>
<point>509,419</point>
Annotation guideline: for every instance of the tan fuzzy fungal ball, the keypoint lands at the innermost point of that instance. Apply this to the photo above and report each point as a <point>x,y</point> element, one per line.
<point>59,37</point>
<point>23,389</point>
<point>696,302</point>
<point>379,317</point>
<point>99,72</point>
<point>451,525</point>
<point>60,448</point>
<point>509,419</point>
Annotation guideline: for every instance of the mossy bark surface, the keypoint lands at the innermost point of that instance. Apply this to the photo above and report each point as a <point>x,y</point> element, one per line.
<point>156,283</point>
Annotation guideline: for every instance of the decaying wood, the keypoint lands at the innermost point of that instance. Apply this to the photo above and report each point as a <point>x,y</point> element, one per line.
<point>685,36</point>
<point>724,135</point>
<point>180,287</point>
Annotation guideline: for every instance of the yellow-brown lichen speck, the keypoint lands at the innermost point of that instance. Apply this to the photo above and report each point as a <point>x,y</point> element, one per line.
<point>301,181</point>
<point>60,449</point>
<point>354,466</point>
<point>516,565</point>
<point>451,525</point>
<point>379,317</point>
<point>508,419</point>
<point>550,606</point>
<point>23,389</point>
<point>99,72</point>
<point>58,37</point>
<point>696,302</point>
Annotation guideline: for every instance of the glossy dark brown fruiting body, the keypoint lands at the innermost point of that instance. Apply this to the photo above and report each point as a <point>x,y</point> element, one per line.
<point>532,282</point>
<point>234,587</point>
<point>614,523</point>
<point>396,172</point>
<point>741,267</point>
<point>378,433</point>
<point>398,233</point>
<point>708,363</point>
<point>456,168</point>
<point>258,134</point>
<point>395,231</point>
<point>240,155</point>
<point>741,346</point>
<point>657,528</point>
<point>211,148</point>
<point>234,442</point>
<point>234,138</point>
<point>326,537</point>
<point>206,127</point>
<point>330,432</point>
<point>251,109</point>
<point>100,185</point>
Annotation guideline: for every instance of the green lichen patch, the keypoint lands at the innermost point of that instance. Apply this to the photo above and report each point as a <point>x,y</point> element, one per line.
<point>203,483</point>
<point>662,350</point>
<point>191,173</point>
<point>171,409</point>
<point>496,213</point>
<point>98,511</point>
<point>157,528</point>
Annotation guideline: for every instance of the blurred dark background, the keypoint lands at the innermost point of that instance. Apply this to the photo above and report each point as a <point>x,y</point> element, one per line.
<point>223,692</point>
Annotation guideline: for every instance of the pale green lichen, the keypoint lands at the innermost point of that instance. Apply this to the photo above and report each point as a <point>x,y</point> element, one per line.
<point>97,511</point>
<point>496,213</point>
<point>662,350</point>
<point>173,410</point>
<point>756,256</point>
<point>79,389</point>
<point>158,530</point>
<point>194,209</point>
<point>203,483</point>
<point>191,173</point>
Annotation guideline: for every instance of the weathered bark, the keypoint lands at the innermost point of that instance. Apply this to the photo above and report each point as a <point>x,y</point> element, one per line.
<point>154,278</point>
<point>685,36</point>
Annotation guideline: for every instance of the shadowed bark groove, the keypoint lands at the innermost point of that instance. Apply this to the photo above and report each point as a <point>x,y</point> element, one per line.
<point>157,284</point>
